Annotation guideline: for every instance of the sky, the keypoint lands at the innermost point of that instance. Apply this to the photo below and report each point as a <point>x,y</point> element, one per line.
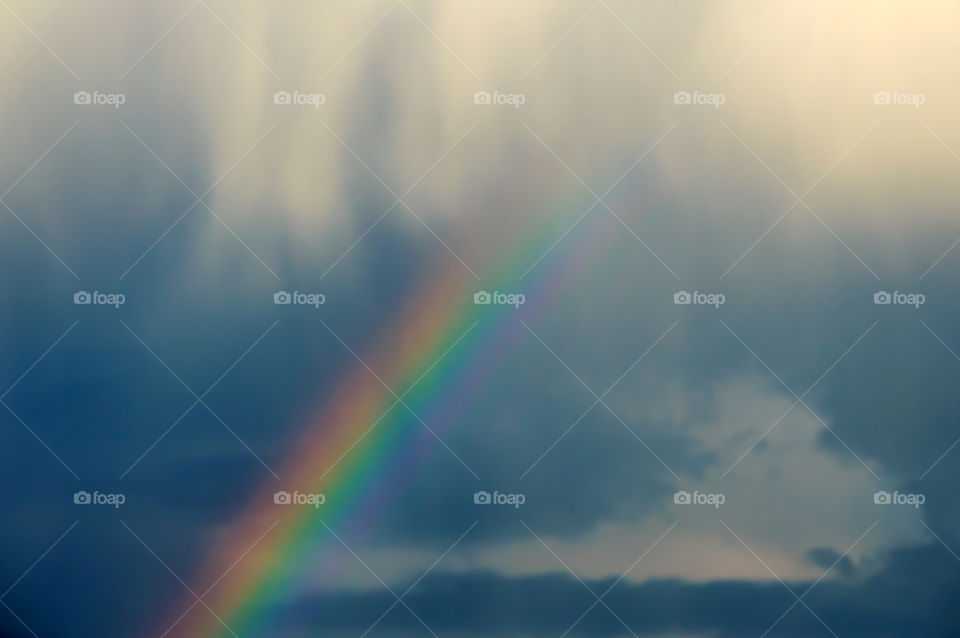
<point>479,318</point>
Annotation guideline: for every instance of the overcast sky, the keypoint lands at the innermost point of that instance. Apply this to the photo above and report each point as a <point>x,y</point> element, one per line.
<point>735,229</point>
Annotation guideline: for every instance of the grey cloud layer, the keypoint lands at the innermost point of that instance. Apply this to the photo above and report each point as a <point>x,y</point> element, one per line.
<point>799,299</point>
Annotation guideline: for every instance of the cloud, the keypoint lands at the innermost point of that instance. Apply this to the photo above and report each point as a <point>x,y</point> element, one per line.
<point>684,217</point>
<point>827,557</point>
<point>908,595</point>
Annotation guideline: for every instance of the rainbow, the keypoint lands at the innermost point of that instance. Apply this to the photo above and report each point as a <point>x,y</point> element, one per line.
<point>438,353</point>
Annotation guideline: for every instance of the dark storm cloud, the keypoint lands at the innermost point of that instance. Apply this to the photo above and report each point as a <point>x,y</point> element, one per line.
<point>889,398</point>
<point>570,492</point>
<point>100,399</point>
<point>910,597</point>
<point>115,399</point>
<point>828,557</point>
